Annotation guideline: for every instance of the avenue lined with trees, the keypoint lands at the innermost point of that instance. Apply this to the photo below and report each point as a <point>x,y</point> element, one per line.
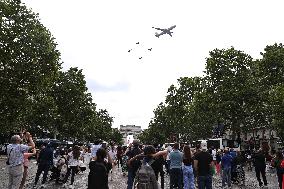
<point>236,90</point>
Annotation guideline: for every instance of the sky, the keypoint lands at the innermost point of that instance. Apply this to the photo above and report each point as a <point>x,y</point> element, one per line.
<point>95,36</point>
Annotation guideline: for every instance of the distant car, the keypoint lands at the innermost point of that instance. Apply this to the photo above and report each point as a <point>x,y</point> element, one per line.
<point>3,149</point>
<point>53,142</point>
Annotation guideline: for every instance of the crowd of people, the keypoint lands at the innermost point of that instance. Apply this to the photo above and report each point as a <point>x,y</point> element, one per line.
<point>145,166</point>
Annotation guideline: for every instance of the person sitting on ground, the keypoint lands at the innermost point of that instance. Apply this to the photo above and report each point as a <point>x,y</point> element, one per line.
<point>58,166</point>
<point>99,169</point>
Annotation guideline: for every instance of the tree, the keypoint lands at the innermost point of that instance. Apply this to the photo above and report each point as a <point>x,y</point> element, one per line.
<point>229,82</point>
<point>277,106</point>
<point>116,136</point>
<point>270,73</point>
<point>29,64</point>
<point>76,111</point>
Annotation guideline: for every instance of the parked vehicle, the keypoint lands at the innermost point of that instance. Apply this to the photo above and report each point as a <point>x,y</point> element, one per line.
<point>3,149</point>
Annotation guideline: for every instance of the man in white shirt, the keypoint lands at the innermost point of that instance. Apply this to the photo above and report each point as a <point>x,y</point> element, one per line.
<point>94,149</point>
<point>15,159</point>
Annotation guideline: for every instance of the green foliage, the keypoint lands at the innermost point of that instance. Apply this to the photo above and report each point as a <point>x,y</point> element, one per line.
<point>29,64</point>
<point>35,94</point>
<point>236,90</point>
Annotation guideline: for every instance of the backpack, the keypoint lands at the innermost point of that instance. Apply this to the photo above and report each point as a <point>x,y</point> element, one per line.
<point>145,177</point>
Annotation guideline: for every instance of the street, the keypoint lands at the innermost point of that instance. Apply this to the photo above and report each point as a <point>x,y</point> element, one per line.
<point>118,181</point>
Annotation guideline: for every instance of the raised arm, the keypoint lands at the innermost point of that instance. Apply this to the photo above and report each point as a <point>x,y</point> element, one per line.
<point>160,153</point>
<point>30,140</point>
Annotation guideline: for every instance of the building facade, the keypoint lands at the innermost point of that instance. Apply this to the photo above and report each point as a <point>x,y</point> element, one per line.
<point>126,130</point>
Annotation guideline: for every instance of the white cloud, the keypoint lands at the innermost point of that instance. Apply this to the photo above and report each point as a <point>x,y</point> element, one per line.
<point>96,35</point>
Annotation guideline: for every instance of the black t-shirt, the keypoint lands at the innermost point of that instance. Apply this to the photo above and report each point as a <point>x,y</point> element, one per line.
<point>259,160</point>
<point>158,164</point>
<point>98,176</point>
<point>136,163</point>
<point>204,160</point>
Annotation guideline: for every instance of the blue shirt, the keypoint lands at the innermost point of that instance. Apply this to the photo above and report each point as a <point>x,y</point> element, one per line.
<point>226,161</point>
<point>15,154</point>
<point>176,159</point>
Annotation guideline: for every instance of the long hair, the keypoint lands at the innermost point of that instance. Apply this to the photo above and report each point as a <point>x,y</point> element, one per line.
<point>187,152</point>
<point>76,152</point>
<point>101,154</point>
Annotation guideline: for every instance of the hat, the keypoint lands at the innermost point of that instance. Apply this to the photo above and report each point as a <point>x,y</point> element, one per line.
<point>203,146</point>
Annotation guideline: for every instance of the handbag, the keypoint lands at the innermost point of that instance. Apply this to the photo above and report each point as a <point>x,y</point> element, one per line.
<point>7,162</point>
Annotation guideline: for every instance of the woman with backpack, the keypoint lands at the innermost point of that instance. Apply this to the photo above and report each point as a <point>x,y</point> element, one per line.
<point>99,169</point>
<point>276,162</point>
<point>145,176</point>
<point>188,176</point>
<point>73,165</point>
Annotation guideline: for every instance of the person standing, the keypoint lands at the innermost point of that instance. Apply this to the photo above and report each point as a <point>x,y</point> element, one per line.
<point>97,145</point>
<point>226,164</point>
<point>133,166</point>
<point>176,167</point>
<point>276,162</point>
<point>15,159</point>
<point>282,166</point>
<point>158,166</point>
<point>260,165</point>
<point>203,162</point>
<point>45,161</point>
<point>124,160</point>
<point>119,154</point>
<point>168,161</point>
<point>99,169</point>
<point>188,176</point>
<point>73,165</point>
<point>26,166</point>
<point>249,161</point>
<point>218,161</point>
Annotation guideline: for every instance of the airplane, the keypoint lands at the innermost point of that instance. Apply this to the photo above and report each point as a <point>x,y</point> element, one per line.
<point>129,50</point>
<point>150,49</point>
<point>137,43</point>
<point>164,31</point>
<point>140,58</point>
